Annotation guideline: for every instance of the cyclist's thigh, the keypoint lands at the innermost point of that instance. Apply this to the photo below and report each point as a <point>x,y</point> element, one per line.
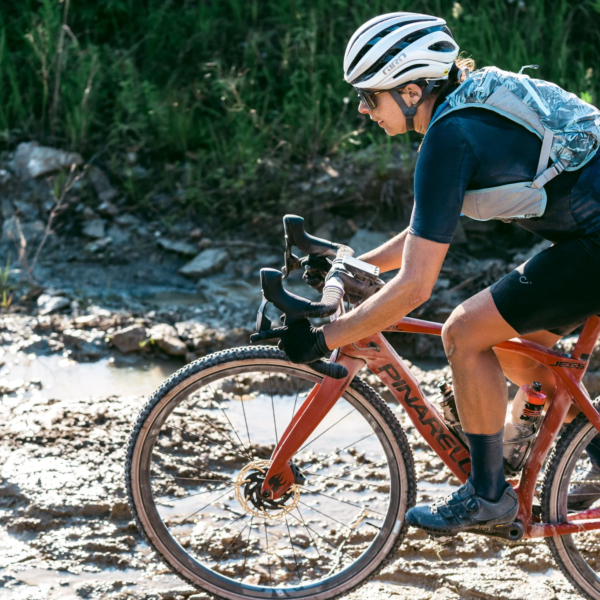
<point>553,292</point>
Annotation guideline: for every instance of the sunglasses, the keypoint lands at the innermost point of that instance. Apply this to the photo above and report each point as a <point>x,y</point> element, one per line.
<point>368,97</point>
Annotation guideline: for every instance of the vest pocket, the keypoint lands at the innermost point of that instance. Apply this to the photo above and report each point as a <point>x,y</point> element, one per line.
<point>512,201</point>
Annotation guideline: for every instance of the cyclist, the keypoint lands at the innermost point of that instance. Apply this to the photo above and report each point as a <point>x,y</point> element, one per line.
<point>403,66</point>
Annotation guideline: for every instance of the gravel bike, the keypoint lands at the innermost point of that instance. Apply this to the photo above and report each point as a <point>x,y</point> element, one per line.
<point>253,477</point>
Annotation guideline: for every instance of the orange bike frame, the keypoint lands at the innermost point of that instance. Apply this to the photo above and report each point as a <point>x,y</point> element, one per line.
<point>377,355</point>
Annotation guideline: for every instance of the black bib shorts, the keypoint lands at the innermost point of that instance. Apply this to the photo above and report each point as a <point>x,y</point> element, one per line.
<point>556,290</point>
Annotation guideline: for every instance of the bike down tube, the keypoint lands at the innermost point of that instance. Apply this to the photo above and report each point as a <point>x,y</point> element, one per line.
<point>279,477</point>
<point>383,361</point>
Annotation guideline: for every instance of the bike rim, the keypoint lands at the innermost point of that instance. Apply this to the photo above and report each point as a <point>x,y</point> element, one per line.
<point>582,548</point>
<point>304,572</point>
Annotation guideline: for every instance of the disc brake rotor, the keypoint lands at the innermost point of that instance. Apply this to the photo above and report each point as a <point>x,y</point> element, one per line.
<point>247,491</point>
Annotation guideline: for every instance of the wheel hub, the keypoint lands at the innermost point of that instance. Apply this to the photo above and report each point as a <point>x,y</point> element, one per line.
<point>248,486</point>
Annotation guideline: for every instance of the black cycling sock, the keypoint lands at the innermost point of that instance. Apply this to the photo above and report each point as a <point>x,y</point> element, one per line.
<point>487,464</point>
<point>593,450</point>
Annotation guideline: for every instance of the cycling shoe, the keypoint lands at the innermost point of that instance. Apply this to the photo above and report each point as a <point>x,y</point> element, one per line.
<point>464,509</point>
<point>586,491</point>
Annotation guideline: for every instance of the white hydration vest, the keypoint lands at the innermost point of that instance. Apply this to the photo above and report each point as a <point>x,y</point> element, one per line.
<point>568,127</point>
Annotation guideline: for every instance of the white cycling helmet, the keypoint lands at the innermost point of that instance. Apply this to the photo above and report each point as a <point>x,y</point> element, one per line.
<point>395,49</point>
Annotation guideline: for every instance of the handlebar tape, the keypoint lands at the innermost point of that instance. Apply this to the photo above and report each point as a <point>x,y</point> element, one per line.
<point>294,306</point>
<point>329,369</point>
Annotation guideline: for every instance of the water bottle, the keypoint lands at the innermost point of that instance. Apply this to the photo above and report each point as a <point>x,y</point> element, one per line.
<point>449,412</point>
<point>521,426</point>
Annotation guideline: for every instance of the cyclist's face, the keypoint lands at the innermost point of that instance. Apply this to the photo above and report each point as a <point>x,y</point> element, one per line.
<point>387,113</point>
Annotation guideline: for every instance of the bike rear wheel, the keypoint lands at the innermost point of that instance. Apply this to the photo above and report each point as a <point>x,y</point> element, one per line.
<point>577,555</point>
<point>195,461</point>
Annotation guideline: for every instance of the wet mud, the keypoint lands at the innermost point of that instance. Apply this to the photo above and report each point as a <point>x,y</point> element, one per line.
<point>67,531</point>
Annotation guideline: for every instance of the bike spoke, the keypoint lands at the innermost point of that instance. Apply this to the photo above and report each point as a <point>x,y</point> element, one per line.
<point>201,509</point>
<point>344,501</point>
<point>328,429</point>
<point>335,452</point>
<point>212,535</point>
<point>296,398</point>
<point>247,545</point>
<point>245,417</point>
<point>267,542</point>
<point>189,478</point>
<point>324,514</point>
<point>311,529</point>
<point>207,421</point>
<point>273,409</point>
<point>225,415</point>
<point>293,551</point>
<point>308,531</point>
<point>237,537</point>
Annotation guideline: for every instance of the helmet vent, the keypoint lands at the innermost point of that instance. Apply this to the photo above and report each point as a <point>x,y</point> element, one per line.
<point>394,50</point>
<point>442,47</point>
<point>409,69</point>
<point>377,38</point>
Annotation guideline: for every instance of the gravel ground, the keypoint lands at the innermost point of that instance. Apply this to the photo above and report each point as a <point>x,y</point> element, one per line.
<point>67,531</point>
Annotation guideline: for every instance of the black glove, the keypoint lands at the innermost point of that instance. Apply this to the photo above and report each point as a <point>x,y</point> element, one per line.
<point>302,342</point>
<point>315,271</point>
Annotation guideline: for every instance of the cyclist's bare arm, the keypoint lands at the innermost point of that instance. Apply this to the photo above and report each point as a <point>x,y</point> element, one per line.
<point>406,291</point>
<point>388,256</point>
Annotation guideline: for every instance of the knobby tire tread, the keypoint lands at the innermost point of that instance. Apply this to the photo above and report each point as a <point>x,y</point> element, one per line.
<point>554,462</point>
<point>270,353</point>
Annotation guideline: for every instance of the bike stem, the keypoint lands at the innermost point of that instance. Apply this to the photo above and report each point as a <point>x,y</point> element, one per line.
<point>280,478</point>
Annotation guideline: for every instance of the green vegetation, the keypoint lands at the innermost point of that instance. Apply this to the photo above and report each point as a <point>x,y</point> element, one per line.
<point>229,85</point>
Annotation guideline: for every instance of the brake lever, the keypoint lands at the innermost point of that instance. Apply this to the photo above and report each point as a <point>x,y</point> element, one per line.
<point>291,261</point>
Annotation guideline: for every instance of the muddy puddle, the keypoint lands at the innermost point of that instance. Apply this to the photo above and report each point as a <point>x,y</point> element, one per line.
<point>66,530</point>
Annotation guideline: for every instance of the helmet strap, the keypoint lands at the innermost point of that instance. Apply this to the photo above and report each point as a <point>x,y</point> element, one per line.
<point>409,112</point>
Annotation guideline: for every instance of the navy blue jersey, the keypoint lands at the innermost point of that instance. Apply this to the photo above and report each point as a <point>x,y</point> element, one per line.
<point>476,148</point>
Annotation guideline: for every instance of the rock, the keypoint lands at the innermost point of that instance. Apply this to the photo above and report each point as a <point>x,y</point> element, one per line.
<point>119,236</point>
<point>4,176</point>
<point>196,234</point>
<point>129,339</point>
<point>98,245</point>
<point>48,304</point>
<point>101,184</point>
<point>108,209</point>
<point>165,337</point>
<point>177,246</point>
<point>88,213</point>
<point>127,220</point>
<point>33,160</point>
<point>6,209</point>
<point>204,244</point>
<point>445,593</point>
<point>13,228</point>
<point>208,261</point>
<point>363,241</point>
<point>94,228</point>
<point>26,210</point>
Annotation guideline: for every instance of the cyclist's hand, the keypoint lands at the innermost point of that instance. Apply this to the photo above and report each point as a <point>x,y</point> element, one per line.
<point>302,342</point>
<point>315,271</point>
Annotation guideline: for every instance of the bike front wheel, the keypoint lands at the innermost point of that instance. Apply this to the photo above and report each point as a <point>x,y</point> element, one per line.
<point>197,457</point>
<point>577,554</point>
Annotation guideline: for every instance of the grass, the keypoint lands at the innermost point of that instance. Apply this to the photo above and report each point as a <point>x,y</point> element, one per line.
<point>228,86</point>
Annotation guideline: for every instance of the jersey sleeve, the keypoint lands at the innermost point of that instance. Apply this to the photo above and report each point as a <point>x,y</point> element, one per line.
<point>445,167</point>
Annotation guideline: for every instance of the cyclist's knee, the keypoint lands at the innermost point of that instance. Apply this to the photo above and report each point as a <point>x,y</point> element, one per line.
<point>461,335</point>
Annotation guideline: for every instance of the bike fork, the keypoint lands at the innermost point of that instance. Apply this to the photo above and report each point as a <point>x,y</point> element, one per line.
<point>280,477</point>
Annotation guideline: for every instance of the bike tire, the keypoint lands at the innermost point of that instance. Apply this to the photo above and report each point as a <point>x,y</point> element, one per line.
<point>555,486</point>
<point>261,356</point>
